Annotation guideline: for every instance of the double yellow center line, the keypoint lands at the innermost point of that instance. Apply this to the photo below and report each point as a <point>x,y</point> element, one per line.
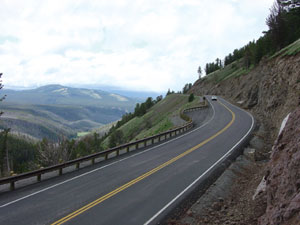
<point>149,173</point>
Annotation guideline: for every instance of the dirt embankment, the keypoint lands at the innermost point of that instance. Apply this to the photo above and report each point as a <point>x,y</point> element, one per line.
<point>269,92</point>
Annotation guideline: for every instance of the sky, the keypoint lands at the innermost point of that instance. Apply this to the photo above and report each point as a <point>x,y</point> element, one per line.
<point>138,45</point>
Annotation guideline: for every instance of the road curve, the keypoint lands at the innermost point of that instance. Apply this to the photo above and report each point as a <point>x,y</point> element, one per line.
<point>136,188</point>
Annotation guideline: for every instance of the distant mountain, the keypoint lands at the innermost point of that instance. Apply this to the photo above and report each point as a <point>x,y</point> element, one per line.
<point>134,94</point>
<point>62,95</point>
<point>53,111</point>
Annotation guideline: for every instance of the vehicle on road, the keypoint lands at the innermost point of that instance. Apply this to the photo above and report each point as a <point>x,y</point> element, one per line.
<point>214,98</point>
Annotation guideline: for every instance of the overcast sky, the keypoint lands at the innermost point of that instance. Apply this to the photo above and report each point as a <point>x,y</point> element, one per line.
<point>145,45</point>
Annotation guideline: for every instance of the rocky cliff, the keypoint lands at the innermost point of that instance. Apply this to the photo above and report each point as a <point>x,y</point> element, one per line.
<point>283,176</point>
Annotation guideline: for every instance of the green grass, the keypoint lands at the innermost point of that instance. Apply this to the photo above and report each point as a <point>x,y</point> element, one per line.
<point>163,125</point>
<point>234,69</point>
<point>82,134</point>
<point>292,49</point>
<point>157,119</point>
<point>237,69</point>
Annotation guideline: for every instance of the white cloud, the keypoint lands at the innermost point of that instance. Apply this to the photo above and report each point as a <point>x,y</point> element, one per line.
<point>141,45</point>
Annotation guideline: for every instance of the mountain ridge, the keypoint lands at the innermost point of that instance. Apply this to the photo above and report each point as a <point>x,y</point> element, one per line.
<point>54,110</point>
<point>55,94</point>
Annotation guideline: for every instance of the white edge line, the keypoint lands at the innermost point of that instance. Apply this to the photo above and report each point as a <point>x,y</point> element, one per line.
<point>195,181</point>
<point>100,168</point>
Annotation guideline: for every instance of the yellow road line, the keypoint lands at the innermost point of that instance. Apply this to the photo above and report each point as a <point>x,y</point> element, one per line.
<point>136,180</point>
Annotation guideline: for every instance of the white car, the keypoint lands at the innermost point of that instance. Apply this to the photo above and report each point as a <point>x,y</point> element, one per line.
<point>214,98</point>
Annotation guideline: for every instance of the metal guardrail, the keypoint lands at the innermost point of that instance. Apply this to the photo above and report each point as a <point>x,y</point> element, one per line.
<point>162,136</point>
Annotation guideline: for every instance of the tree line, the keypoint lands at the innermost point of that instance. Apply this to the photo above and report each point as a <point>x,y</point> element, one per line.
<point>284,29</point>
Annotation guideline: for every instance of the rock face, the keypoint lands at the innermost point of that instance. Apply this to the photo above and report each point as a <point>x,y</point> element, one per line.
<point>270,91</point>
<point>283,176</point>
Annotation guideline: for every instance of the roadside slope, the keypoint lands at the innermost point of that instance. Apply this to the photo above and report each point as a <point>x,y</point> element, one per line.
<point>163,116</point>
<point>270,91</point>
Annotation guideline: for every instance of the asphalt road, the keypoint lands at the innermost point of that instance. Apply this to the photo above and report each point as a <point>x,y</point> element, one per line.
<point>136,188</point>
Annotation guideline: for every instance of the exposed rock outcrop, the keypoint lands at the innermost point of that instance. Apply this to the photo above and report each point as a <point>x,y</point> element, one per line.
<point>283,176</point>
<point>270,91</point>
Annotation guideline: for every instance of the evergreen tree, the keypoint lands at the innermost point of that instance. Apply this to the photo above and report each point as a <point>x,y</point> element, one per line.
<point>169,92</point>
<point>199,71</point>
<point>186,88</point>
<point>149,103</point>
<point>191,97</point>
<point>4,154</point>
<point>116,138</point>
<point>276,24</point>
<point>158,98</point>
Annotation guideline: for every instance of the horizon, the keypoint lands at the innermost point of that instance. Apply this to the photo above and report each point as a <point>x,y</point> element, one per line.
<point>140,95</point>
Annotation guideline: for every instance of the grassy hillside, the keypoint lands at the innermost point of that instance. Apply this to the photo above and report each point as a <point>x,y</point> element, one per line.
<point>62,95</point>
<point>161,117</point>
<point>237,68</point>
<point>291,49</point>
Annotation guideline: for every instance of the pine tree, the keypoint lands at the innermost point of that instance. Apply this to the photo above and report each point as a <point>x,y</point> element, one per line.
<point>199,72</point>
<point>191,97</point>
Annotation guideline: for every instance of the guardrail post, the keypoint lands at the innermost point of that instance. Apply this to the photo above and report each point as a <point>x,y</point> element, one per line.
<point>12,185</point>
<point>60,171</point>
<point>106,156</point>
<point>152,141</point>
<point>39,177</point>
<point>158,138</point>
<point>145,143</point>
<point>137,146</point>
<point>127,149</point>
<point>93,161</point>
<point>77,165</point>
<point>118,152</point>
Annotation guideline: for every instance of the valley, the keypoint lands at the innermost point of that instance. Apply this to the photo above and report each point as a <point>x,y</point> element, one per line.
<point>54,111</point>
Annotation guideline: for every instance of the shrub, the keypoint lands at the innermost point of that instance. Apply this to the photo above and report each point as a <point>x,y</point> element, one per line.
<point>191,97</point>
